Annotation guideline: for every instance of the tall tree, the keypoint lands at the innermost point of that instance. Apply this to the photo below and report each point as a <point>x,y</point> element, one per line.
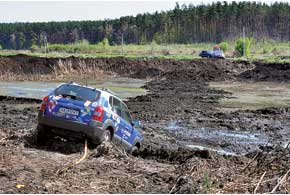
<point>186,23</point>
<point>20,40</point>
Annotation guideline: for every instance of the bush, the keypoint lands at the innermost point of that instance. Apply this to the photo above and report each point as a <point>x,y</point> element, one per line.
<point>158,38</point>
<point>165,52</point>
<point>34,48</point>
<point>266,49</point>
<point>105,43</point>
<point>153,45</point>
<point>239,46</point>
<point>224,46</point>
<point>82,46</point>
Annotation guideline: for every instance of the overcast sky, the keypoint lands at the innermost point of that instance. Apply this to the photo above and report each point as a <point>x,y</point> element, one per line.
<point>39,11</point>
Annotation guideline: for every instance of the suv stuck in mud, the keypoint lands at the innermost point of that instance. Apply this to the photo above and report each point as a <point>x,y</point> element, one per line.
<point>72,110</point>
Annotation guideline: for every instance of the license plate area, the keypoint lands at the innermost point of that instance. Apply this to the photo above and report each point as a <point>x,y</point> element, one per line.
<point>68,111</point>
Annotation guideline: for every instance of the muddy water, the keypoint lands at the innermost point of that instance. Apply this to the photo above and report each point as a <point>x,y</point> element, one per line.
<point>222,141</point>
<point>233,142</point>
<point>122,86</point>
<point>253,95</point>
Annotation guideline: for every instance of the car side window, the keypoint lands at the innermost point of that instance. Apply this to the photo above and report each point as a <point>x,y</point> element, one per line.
<point>104,102</point>
<point>126,114</point>
<point>111,101</point>
<point>117,106</point>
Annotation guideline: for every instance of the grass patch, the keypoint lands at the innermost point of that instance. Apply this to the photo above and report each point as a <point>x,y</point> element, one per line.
<point>269,51</point>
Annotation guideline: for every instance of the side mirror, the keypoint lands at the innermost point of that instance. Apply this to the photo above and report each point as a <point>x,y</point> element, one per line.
<point>136,123</point>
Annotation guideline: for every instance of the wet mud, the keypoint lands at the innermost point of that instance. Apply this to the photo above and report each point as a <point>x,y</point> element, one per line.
<point>190,146</point>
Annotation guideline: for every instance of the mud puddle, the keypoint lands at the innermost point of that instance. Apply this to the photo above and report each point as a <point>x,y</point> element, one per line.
<point>253,96</point>
<point>124,87</point>
<point>221,141</point>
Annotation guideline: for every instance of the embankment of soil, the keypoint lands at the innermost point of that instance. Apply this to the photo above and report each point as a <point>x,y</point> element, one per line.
<point>137,68</point>
<point>273,72</point>
<point>199,69</point>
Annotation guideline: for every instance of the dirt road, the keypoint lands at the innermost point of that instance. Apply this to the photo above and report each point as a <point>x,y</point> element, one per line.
<point>179,113</point>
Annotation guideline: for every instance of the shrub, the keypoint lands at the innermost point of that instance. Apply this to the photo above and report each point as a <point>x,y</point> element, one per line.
<point>105,43</point>
<point>142,40</point>
<point>266,50</point>
<point>224,46</point>
<point>158,38</point>
<point>165,52</point>
<point>34,48</point>
<point>82,46</point>
<point>153,45</point>
<point>240,43</point>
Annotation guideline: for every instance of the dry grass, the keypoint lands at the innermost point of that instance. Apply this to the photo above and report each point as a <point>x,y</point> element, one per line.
<point>62,70</point>
<point>65,69</point>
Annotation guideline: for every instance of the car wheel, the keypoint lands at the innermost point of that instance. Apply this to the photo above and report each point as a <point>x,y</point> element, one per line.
<point>134,151</point>
<point>106,137</point>
<point>43,135</point>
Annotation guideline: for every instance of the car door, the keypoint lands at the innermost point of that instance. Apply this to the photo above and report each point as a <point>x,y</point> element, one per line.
<point>127,134</point>
<point>117,118</point>
<point>122,126</point>
<point>116,114</point>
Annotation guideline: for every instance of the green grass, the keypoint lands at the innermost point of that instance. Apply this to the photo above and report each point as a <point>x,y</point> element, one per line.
<point>269,51</point>
<point>176,51</point>
<point>206,182</point>
<point>97,55</point>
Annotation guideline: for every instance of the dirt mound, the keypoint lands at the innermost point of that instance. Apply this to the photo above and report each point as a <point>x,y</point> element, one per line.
<point>273,72</point>
<point>207,70</point>
<point>22,64</point>
<point>18,99</point>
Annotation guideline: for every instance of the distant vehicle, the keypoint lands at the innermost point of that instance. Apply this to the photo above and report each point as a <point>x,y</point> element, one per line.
<point>72,110</point>
<point>216,53</point>
<point>206,54</point>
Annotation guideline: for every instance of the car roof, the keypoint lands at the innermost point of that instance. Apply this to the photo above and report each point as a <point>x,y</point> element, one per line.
<point>105,92</point>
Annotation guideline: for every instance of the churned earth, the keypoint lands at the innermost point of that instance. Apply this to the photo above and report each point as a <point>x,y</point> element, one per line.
<point>190,144</point>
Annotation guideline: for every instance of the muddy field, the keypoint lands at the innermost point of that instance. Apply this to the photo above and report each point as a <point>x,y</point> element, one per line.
<point>190,145</point>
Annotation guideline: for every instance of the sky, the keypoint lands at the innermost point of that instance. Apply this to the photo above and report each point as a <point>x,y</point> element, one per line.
<point>43,11</point>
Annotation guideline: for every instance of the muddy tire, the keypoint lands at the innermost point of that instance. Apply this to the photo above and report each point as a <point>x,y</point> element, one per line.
<point>106,137</point>
<point>43,135</point>
<point>134,150</point>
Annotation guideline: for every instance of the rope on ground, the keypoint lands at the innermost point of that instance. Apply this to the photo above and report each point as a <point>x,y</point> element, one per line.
<point>60,171</point>
<point>182,177</point>
<point>260,180</point>
<point>280,182</point>
<point>250,161</point>
<point>174,187</point>
<point>284,153</point>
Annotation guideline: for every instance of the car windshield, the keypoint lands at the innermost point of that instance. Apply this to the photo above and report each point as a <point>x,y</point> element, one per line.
<point>78,92</point>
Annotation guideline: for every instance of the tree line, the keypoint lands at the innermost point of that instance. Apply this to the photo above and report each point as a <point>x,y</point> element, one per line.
<point>214,22</point>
